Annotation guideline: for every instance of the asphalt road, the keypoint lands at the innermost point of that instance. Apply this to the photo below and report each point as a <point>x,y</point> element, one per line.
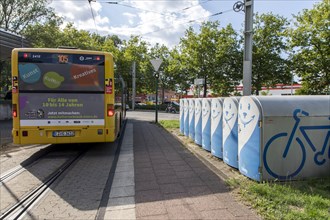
<point>151,115</point>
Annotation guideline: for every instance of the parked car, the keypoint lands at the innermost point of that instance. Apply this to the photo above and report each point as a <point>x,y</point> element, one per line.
<point>174,105</point>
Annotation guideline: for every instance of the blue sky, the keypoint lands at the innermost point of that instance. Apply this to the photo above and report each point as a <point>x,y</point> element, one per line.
<point>163,21</point>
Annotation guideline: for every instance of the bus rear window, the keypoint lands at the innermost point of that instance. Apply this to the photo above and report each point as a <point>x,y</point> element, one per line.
<point>60,72</point>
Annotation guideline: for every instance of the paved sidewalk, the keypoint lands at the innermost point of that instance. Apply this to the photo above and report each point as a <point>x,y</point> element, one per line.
<point>5,132</point>
<point>171,183</point>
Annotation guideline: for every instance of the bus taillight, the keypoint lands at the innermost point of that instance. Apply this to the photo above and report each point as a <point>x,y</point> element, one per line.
<point>110,111</point>
<point>14,110</point>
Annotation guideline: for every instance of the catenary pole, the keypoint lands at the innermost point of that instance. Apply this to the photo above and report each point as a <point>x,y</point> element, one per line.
<point>248,33</point>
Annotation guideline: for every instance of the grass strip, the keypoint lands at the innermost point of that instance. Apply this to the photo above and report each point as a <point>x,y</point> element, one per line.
<point>305,199</point>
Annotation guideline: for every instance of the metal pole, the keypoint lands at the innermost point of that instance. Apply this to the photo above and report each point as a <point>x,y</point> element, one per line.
<point>292,83</point>
<point>133,86</point>
<point>248,33</point>
<point>156,116</point>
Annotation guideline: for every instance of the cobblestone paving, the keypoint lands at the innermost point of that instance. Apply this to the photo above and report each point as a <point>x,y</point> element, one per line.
<point>15,155</point>
<point>156,178</point>
<point>14,189</point>
<point>121,204</point>
<point>79,191</point>
<point>171,183</point>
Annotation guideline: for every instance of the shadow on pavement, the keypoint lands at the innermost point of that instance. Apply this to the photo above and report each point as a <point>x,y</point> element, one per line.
<point>171,182</point>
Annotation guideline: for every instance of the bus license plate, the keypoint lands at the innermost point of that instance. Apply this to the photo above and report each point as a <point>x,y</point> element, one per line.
<point>63,133</point>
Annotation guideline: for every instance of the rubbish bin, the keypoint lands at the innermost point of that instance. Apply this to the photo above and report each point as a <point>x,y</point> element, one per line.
<point>216,127</point>
<point>284,138</point>
<point>182,116</point>
<point>230,131</point>
<point>206,124</point>
<point>186,117</point>
<point>198,121</point>
<point>192,118</point>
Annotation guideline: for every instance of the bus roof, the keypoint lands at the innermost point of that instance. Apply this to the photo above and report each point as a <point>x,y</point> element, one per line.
<point>60,50</point>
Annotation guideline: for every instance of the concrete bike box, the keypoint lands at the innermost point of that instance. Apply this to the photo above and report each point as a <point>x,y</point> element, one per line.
<point>216,127</point>
<point>206,124</point>
<point>186,117</point>
<point>191,118</point>
<point>230,131</point>
<point>182,116</point>
<point>284,137</point>
<point>198,121</point>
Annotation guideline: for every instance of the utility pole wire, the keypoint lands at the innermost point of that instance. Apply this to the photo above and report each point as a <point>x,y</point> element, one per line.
<point>169,14</point>
<point>190,21</point>
<point>89,1</point>
<point>129,6</point>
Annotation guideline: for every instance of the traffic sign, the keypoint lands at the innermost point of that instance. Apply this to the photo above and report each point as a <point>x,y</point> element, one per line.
<point>199,81</point>
<point>156,63</point>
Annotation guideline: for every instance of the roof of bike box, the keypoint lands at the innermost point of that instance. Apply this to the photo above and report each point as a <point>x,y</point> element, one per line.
<point>314,105</point>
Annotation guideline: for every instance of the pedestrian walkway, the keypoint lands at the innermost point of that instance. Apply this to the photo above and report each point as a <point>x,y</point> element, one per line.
<point>171,183</point>
<point>5,132</point>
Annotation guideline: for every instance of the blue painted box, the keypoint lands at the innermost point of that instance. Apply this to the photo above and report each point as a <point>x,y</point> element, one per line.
<point>284,137</point>
<point>198,121</point>
<point>216,127</point>
<point>206,124</point>
<point>230,131</point>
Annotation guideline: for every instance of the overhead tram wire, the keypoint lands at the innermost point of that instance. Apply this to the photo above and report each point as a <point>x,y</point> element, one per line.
<point>170,13</point>
<point>190,21</point>
<point>129,6</point>
<point>89,1</point>
<point>199,3</point>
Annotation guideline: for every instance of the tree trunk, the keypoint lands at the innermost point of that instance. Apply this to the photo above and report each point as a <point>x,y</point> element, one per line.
<point>205,87</point>
<point>163,94</point>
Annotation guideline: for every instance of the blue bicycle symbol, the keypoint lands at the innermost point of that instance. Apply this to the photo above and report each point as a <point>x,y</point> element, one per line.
<point>319,156</point>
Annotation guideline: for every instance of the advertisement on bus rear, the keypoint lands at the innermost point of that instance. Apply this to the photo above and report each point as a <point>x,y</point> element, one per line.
<point>63,109</point>
<point>52,72</point>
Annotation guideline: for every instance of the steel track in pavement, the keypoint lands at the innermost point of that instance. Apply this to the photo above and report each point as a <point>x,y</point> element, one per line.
<point>21,168</point>
<point>18,210</point>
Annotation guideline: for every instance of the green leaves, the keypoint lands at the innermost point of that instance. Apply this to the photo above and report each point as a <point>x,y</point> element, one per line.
<point>309,41</point>
<point>16,15</point>
<point>213,53</point>
<point>269,66</point>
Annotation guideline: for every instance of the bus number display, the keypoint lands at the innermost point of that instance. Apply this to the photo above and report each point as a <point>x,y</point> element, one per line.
<point>63,58</point>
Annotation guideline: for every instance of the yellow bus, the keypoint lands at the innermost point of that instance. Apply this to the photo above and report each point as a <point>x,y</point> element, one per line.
<point>65,96</point>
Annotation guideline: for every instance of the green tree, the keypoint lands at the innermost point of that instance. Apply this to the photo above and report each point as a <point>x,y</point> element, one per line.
<point>165,77</point>
<point>16,15</point>
<point>310,40</point>
<point>48,34</point>
<point>135,50</point>
<point>228,72</point>
<point>268,65</point>
<point>199,52</point>
<point>5,76</point>
<point>214,55</point>
<point>177,64</point>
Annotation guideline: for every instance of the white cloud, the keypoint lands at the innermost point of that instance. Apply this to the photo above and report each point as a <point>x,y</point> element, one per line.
<point>156,21</point>
<point>79,13</point>
<point>131,17</point>
<point>166,21</point>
